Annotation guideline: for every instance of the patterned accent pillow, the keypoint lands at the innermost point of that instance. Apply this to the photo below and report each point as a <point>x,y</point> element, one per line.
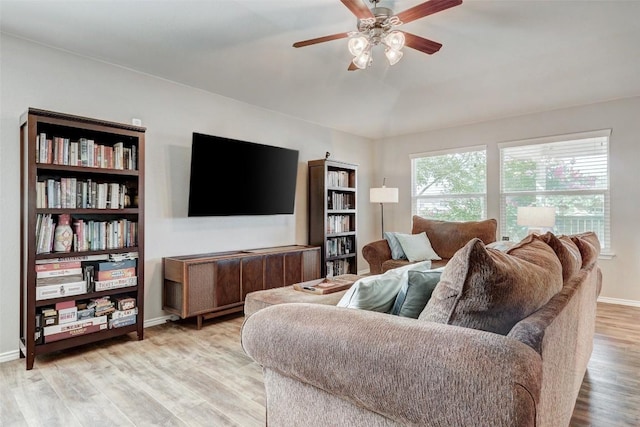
<point>417,247</point>
<point>394,245</point>
<point>491,290</point>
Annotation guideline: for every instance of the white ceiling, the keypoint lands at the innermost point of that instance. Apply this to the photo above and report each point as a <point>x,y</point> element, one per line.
<point>499,58</point>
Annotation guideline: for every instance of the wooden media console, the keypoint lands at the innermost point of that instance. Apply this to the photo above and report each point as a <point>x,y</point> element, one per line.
<point>215,284</point>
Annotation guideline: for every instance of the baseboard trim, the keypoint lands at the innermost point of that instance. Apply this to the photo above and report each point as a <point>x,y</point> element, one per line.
<point>630,302</point>
<point>15,354</point>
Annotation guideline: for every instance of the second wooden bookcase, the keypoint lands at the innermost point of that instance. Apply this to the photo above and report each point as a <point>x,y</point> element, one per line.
<point>332,214</point>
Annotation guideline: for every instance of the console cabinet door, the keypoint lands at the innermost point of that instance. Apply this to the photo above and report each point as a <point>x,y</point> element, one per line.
<point>292,268</point>
<point>226,287</point>
<point>311,265</point>
<point>273,271</point>
<point>252,274</point>
<point>200,277</point>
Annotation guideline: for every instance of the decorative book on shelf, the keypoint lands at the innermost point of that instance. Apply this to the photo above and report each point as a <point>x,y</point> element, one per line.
<point>328,285</point>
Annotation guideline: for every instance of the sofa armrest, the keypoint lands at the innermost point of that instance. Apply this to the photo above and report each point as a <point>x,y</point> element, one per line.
<point>375,253</point>
<point>410,371</point>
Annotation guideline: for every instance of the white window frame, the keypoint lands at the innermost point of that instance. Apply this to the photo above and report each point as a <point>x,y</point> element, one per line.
<point>415,197</point>
<point>605,240</point>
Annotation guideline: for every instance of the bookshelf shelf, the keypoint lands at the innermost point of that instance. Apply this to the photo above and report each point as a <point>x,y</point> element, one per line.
<point>332,214</point>
<point>74,165</point>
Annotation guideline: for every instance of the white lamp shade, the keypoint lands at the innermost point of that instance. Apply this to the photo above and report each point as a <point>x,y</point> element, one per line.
<point>383,195</point>
<point>536,216</point>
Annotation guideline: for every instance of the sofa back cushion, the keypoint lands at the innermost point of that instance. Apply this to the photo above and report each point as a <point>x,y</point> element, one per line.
<point>566,251</point>
<point>589,246</point>
<point>447,237</point>
<point>492,290</point>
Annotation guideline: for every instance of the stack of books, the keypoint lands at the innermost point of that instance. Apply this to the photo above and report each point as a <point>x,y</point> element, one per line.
<point>125,314</point>
<point>107,275</point>
<point>58,279</point>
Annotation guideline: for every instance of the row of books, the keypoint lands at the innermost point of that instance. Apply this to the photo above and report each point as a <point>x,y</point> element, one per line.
<point>72,318</point>
<point>71,193</point>
<point>337,200</point>
<point>338,223</point>
<point>338,178</point>
<point>88,235</point>
<point>339,245</point>
<point>84,152</point>
<point>75,277</point>
<point>337,267</point>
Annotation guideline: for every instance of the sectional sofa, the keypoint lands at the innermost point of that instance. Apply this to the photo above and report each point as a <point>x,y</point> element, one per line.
<point>504,340</point>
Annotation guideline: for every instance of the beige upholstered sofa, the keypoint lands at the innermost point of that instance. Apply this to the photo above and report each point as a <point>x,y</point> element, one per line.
<point>503,341</point>
<point>446,237</point>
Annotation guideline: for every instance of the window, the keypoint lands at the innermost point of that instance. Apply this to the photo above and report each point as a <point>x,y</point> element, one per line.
<point>569,173</point>
<point>451,185</point>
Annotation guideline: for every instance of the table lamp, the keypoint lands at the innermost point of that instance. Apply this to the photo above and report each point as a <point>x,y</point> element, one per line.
<point>539,219</point>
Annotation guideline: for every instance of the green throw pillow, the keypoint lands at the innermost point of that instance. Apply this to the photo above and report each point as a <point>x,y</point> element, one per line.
<point>415,293</point>
<point>378,292</point>
<point>394,245</point>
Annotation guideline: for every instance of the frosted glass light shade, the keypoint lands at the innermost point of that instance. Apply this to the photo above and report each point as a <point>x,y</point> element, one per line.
<point>383,195</point>
<point>393,55</point>
<point>536,216</point>
<point>362,61</point>
<point>357,45</point>
<point>395,40</point>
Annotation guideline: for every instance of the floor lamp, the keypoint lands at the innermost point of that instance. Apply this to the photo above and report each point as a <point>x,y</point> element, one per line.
<point>383,195</point>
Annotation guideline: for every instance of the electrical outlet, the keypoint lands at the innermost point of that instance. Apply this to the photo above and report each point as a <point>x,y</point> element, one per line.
<point>136,122</point>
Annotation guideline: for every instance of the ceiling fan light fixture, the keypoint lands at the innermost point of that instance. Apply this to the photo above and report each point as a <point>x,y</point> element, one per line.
<point>394,40</point>
<point>363,60</point>
<point>393,55</point>
<point>357,45</point>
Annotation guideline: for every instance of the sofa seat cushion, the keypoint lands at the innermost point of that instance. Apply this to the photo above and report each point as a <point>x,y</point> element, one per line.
<point>492,290</point>
<point>390,264</point>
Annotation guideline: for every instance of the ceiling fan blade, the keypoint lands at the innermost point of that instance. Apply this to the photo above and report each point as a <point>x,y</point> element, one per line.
<point>358,8</point>
<point>426,8</point>
<point>419,43</point>
<point>321,39</point>
<point>352,67</point>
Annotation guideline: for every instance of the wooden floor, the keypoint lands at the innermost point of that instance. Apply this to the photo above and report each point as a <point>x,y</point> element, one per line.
<point>180,376</point>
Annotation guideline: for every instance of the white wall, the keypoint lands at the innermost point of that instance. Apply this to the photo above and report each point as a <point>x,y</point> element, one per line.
<point>40,77</point>
<point>620,274</point>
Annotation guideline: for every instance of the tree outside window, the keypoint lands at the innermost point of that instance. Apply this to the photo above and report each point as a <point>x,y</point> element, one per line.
<point>450,186</point>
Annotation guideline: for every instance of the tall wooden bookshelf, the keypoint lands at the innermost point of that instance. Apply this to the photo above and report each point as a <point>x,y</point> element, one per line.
<point>332,214</point>
<point>63,157</point>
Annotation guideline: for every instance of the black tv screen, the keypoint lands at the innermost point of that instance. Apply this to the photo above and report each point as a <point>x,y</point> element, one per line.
<point>233,177</point>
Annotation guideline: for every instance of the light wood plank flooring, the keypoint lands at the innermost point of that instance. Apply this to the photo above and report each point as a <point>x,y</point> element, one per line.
<point>181,376</point>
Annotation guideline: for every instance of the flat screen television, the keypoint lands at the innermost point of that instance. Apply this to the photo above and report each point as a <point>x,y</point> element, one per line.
<point>233,177</point>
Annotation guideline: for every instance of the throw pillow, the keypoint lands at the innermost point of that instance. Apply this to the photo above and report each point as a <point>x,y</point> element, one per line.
<point>417,247</point>
<point>567,252</point>
<point>447,237</point>
<point>491,290</point>
<point>415,293</point>
<point>501,245</point>
<point>394,245</point>
<point>378,292</point>
<point>589,246</point>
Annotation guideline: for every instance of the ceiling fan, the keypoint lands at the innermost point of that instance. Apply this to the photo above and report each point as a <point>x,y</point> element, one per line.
<point>377,26</point>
